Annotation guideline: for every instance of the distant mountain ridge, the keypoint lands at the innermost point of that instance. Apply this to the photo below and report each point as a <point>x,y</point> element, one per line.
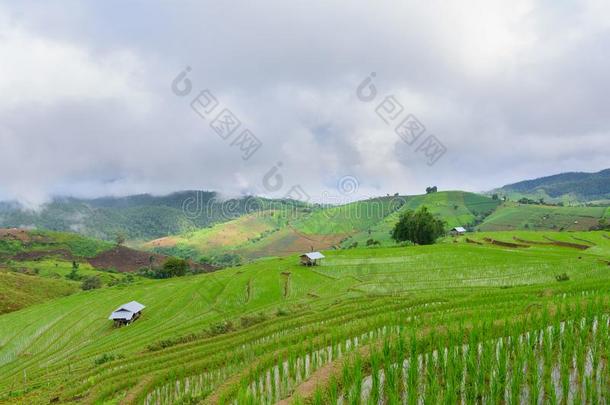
<point>141,217</point>
<point>147,217</point>
<point>566,187</point>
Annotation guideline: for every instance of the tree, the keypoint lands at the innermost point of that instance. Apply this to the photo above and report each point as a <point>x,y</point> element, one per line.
<point>495,197</point>
<point>119,239</point>
<point>73,275</point>
<point>173,267</point>
<point>419,227</point>
<point>91,283</point>
<point>430,190</point>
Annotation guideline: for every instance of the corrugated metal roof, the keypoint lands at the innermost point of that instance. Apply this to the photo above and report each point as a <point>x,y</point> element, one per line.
<point>132,306</point>
<point>459,229</point>
<point>314,255</point>
<point>125,315</point>
<point>127,311</point>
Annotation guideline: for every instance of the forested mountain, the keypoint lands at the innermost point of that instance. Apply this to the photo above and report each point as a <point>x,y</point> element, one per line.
<point>571,186</point>
<point>135,217</point>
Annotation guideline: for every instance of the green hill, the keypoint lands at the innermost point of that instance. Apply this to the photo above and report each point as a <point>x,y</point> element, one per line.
<point>140,217</point>
<point>15,242</point>
<point>222,337</point>
<point>288,232</point>
<point>572,187</point>
<point>456,208</point>
<point>350,217</point>
<point>527,216</point>
<point>226,237</point>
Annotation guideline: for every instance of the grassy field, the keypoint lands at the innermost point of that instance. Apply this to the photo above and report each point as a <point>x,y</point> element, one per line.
<point>275,330</point>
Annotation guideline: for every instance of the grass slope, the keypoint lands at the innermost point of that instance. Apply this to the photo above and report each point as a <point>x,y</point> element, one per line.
<point>523,216</point>
<point>221,237</point>
<point>349,218</point>
<point>21,290</point>
<point>57,344</point>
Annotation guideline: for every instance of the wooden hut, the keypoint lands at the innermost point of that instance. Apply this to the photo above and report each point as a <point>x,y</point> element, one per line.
<point>311,259</point>
<point>458,231</point>
<point>127,313</point>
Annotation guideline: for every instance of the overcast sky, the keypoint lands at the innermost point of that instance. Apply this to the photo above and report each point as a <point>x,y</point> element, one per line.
<point>510,89</point>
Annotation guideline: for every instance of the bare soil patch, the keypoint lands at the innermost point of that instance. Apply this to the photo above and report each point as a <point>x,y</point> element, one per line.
<point>567,244</point>
<point>473,241</point>
<point>168,241</point>
<point>505,244</point>
<point>126,260</point>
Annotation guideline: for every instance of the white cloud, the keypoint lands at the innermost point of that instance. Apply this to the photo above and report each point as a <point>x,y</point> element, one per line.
<point>514,90</point>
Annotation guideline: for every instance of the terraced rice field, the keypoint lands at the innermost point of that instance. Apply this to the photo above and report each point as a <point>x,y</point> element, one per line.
<point>451,321</point>
<point>535,217</point>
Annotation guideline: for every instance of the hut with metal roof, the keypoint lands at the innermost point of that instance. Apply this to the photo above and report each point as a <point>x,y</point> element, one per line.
<point>457,231</point>
<point>311,259</point>
<point>126,313</point>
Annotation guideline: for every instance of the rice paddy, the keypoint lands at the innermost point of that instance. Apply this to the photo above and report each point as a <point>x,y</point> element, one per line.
<point>448,323</point>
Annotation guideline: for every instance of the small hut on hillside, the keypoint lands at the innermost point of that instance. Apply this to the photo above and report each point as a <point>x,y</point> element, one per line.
<point>457,231</point>
<point>311,259</point>
<point>127,313</point>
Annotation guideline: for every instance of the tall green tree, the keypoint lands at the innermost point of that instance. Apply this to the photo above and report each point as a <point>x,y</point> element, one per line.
<point>420,227</point>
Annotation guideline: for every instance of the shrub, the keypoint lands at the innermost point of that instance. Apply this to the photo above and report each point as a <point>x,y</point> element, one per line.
<point>91,283</point>
<point>281,312</point>
<point>173,267</point>
<point>562,277</point>
<point>250,320</point>
<point>105,358</point>
<point>220,328</point>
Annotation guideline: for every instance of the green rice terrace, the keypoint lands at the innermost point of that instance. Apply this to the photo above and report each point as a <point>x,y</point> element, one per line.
<point>488,317</point>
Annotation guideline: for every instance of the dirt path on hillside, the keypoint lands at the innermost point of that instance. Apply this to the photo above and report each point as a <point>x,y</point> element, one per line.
<point>319,378</point>
<point>133,393</point>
